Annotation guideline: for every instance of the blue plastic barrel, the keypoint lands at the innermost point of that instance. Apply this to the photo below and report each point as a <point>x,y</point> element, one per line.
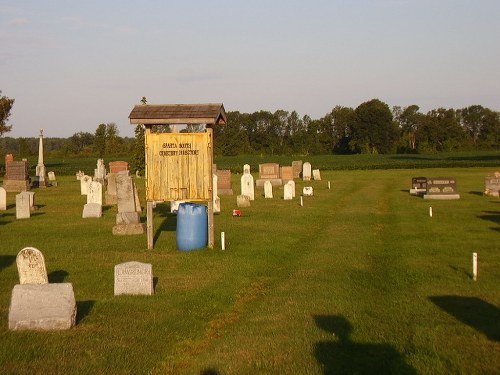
<point>192,226</point>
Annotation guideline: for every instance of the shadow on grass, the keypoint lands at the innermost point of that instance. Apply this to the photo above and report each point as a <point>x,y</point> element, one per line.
<point>461,270</point>
<point>413,157</point>
<point>476,313</point>
<point>209,371</point>
<point>493,216</point>
<point>479,193</point>
<point>83,308</point>
<point>57,276</point>
<point>343,356</point>
<point>6,261</point>
<point>475,158</point>
<point>169,222</point>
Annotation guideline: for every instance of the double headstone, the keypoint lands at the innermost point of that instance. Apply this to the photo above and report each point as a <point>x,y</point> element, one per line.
<point>418,185</point>
<point>443,188</point>
<point>269,172</point>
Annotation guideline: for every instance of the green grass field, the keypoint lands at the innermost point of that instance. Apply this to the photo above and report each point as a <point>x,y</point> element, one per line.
<point>359,280</point>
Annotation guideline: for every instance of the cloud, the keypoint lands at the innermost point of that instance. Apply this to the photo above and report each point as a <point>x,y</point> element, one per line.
<point>18,21</point>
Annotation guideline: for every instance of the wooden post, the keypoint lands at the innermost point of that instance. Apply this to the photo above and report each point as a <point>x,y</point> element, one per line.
<point>149,204</point>
<point>211,234</point>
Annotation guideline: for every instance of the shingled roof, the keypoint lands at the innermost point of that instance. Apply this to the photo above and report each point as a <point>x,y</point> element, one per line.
<point>171,114</point>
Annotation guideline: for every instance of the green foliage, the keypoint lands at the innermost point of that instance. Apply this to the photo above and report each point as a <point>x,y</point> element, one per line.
<point>5,108</point>
<point>139,161</point>
<point>100,140</point>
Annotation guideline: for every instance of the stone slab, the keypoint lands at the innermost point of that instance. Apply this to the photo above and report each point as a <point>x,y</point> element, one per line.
<point>92,210</point>
<point>42,307</point>
<point>133,278</point>
<point>443,197</point>
<point>16,186</point>
<point>243,201</point>
<point>275,182</point>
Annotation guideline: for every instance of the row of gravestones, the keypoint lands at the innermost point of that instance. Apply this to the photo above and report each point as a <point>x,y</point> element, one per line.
<point>37,304</point>
<point>120,190</point>
<point>16,177</point>
<point>25,203</point>
<point>446,187</point>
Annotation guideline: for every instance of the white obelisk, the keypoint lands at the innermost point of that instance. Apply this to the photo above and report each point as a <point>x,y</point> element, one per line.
<point>40,167</point>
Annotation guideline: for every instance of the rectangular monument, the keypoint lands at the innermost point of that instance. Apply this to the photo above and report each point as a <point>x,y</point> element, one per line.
<point>418,185</point>
<point>492,185</point>
<point>133,278</point>
<point>286,174</point>
<point>297,168</point>
<point>269,172</point>
<point>224,184</point>
<point>443,188</point>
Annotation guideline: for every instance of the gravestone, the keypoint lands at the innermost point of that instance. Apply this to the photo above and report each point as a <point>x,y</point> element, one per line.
<point>110,196</point>
<point>133,278</point>
<point>292,186</point>
<point>91,210</point>
<point>118,166</point>
<point>297,168</point>
<point>307,191</point>
<point>418,185</point>
<point>216,199</point>
<point>127,219</point>
<point>42,307</point>
<point>94,192</point>
<point>40,178</point>
<point>79,175</point>
<point>224,184</point>
<point>269,172</point>
<point>16,176</point>
<point>23,210</point>
<point>246,168</point>
<point>84,184</point>
<point>316,175</point>
<point>306,171</point>
<point>100,171</point>
<point>3,199</point>
<point>268,189</point>
<point>242,201</point>
<point>492,185</point>
<point>52,176</point>
<point>286,174</point>
<point>31,266</point>
<point>31,196</point>
<point>287,191</point>
<point>247,186</point>
<point>443,188</point>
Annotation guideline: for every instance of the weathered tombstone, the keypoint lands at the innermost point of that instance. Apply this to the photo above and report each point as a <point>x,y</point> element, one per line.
<point>247,186</point>
<point>269,172</point>
<point>100,171</point>
<point>443,188</point>
<point>307,191</point>
<point>31,195</point>
<point>242,201</point>
<point>316,175</point>
<point>418,185</point>
<point>110,196</point>
<point>224,184</point>
<point>286,174</point>
<point>216,199</point>
<point>268,189</point>
<point>246,168</point>
<point>127,218</point>
<point>94,192</point>
<point>306,171</point>
<point>118,166</point>
<point>287,191</point>
<point>31,266</point>
<point>297,168</point>
<point>16,176</point>
<point>23,210</point>
<point>292,185</point>
<point>3,199</point>
<point>492,185</point>
<point>92,210</point>
<point>133,278</point>
<point>42,307</point>
<point>52,176</point>
<point>84,184</point>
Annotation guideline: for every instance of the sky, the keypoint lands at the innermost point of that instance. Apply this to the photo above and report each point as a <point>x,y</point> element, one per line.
<point>72,65</point>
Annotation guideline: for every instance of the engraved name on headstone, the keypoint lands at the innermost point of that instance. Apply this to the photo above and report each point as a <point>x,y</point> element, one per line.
<point>133,278</point>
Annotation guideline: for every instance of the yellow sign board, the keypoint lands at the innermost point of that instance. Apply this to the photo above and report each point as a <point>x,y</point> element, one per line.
<point>178,166</point>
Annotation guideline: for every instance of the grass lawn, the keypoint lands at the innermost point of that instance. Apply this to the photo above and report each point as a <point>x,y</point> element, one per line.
<point>359,280</point>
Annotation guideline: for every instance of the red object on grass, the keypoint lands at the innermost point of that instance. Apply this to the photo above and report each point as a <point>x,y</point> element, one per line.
<point>236,213</point>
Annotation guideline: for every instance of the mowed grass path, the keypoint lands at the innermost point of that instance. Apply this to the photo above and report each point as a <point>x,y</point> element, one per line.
<point>358,280</point>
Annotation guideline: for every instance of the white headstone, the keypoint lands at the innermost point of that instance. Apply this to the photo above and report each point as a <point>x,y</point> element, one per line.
<point>3,199</point>
<point>246,168</point>
<point>94,193</point>
<point>31,195</point>
<point>316,175</point>
<point>216,199</point>
<point>268,189</point>
<point>31,266</point>
<point>84,184</point>
<point>134,278</point>
<point>23,210</point>
<point>287,192</point>
<point>306,171</point>
<point>42,307</point>
<point>52,176</point>
<point>92,210</point>
<point>308,191</point>
<point>292,185</point>
<point>247,186</point>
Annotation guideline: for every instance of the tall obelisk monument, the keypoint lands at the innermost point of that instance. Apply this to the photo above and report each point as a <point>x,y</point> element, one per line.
<point>40,167</point>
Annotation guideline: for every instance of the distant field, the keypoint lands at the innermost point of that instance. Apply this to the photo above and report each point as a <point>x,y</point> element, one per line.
<point>358,280</point>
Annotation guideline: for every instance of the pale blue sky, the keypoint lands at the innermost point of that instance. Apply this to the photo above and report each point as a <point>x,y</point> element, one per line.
<point>71,65</point>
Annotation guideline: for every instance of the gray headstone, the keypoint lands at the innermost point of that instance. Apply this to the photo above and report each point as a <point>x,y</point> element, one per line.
<point>243,201</point>
<point>42,307</point>
<point>23,210</point>
<point>92,210</point>
<point>94,193</point>
<point>125,193</point>
<point>31,266</point>
<point>133,278</point>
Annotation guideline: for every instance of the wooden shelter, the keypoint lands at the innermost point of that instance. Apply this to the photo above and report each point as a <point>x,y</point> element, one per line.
<point>179,165</point>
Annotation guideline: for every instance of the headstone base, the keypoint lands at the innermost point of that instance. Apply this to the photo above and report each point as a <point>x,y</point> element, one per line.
<point>16,186</point>
<point>225,191</point>
<point>110,198</point>
<point>417,191</point>
<point>92,210</point>
<point>274,181</point>
<point>42,307</point>
<point>443,197</point>
<point>129,229</point>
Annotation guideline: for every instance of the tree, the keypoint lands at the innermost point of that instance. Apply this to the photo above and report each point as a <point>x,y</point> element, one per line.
<point>409,119</point>
<point>336,128</point>
<point>139,160</point>
<point>374,130</point>
<point>112,139</point>
<point>100,140</point>
<point>482,125</point>
<point>5,108</point>
<point>80,142</point>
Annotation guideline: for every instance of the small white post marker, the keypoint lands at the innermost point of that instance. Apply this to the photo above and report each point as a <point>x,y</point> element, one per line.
<point>223,240</point>
<point>328,185</point>
<point>301,200</point>
<point>474,266</point>
<point>430,211</point>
